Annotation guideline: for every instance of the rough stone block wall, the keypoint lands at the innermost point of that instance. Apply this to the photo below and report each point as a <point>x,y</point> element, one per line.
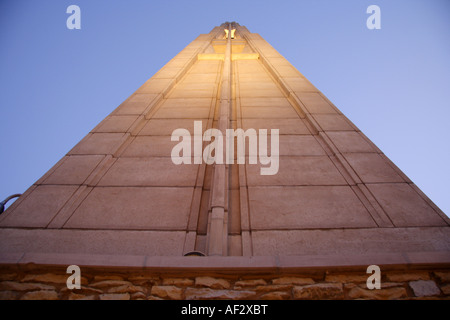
<point>96,284</point>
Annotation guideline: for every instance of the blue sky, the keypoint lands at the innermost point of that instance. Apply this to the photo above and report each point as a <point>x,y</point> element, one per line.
<point>57,84</point>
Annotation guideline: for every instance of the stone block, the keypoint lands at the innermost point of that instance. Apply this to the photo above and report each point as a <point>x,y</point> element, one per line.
<point>116,124</point>
<point>134,208</point>
<point>371,168</point>
<point>40,207</point>
<point>136,104</point>
<point>314,103</point>
<point>276,295</point>
<point>40,295</point>
<point>269,112</point>
<point>179,282</point>
<point>74,170</point>
<point>306,207</point>
<point>213,283</point>
<point>98,143</point>
<point>17,286</point>
<point>292,281</point>
<point>424,288</point>
<point>349,141</point>
<point>167,292</point>
<point>377,294</point>
<point>265,102</point>
<point>250,283</point>
<point>404,277</point>
<point>297,171</point>
<point>165,127</point>
<point>301,86</point>
<point>194,113</point>
<point>320,291</point>
<point>205,66</point>
<point>404,206</point>
<point>193,90</point>
<point>115,296</point>
<point>333,122</point>
<point>286,126</point>
<point>151,146</point>
<point>149,172</point>
<point>211,294</point>
<point>155,86</point>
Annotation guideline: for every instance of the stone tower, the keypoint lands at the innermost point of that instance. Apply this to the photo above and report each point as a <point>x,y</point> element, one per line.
<point>120,208</point>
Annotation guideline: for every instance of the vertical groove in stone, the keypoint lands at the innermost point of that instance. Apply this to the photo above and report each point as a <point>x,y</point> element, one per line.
<point>218,228</point>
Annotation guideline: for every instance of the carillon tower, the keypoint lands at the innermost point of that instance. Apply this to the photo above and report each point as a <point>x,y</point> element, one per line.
<point>142,225</point>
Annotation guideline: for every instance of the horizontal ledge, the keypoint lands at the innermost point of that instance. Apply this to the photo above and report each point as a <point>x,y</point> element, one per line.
<point>232,264</point>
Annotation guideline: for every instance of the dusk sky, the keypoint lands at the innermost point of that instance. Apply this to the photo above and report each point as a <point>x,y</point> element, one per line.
<point>56,84</point>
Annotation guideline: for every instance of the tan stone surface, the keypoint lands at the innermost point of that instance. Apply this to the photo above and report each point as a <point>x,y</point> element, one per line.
<point>167,292</point>
<point>207,293</point>
<point>404,206</point>
<point>349,141</point>
<point>39,208</point>
<point>306,207</point>
<point>371,168</point>
<point>98,143</point>
<point>116,124</point>
<point>149,172</point>
<point>136,104</point>
<point>195,113</point>
<point>319,291</point>
<point>297,171</point>
<point>342,241</point>
<point>212,283</point>
<point>74,170</point>
<point>301,86</point>
<point>269,112</point>
<point>286,126</point>
<point>165,127</point>
<point>265,102</point>
<point>134,208</point>
<point>332,122</point>
<point>314,103</point>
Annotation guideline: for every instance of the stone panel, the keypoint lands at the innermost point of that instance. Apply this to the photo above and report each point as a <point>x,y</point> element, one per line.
<point>404,206</point>
<point>116,124</point>
<point>151,146</point>
<point>286,126</point>
<point>297,171</point>
<point>136,104</point>
<point>74,170</point>
<point>149,172</point>
<point>39,208</point>
<point>98,143</point>
<point>265,102</point>
<point>299,85</point>
<point>376,241</point>
<point>350,141</point>
<point>314,103</point>
<point>333,122</point>
<point>182,113</point>
<point>372,168</point>
<point>165,127</point>
<point>306,207</point>
<point>144,208</point>
<point>269,112</point>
